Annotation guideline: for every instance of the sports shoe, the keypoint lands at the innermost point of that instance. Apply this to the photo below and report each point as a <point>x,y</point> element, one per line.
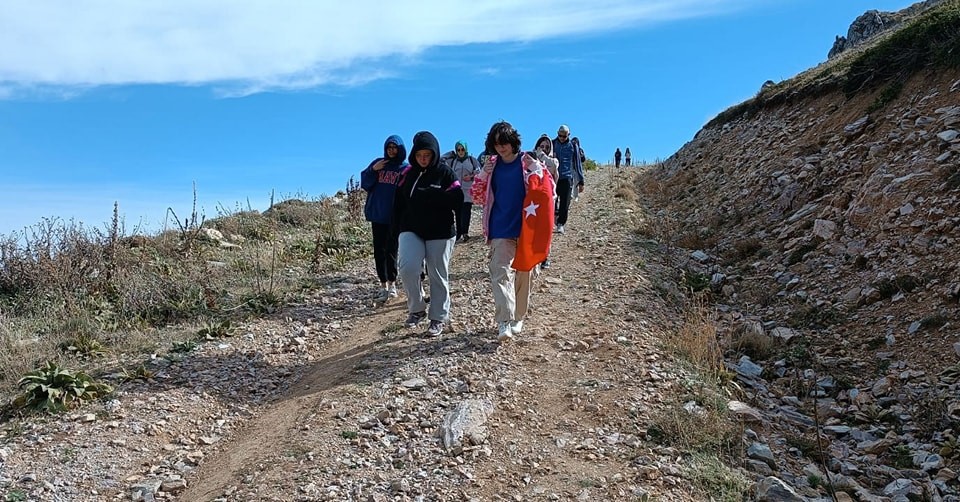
<point>516,327</point>
<point>436,327</point>
<point>465,238</point>
<point>415,318</point>
<point>505,333</point>
<point>392,291</point>
<point>384,293</point>
<point>545,264</point>
<point>559,229</point>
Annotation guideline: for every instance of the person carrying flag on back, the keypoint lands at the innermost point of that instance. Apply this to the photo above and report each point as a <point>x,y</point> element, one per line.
<point>516,192</point>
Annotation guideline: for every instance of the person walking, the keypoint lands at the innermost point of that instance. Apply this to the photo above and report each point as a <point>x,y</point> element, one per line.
<point>616,158</point>
<point>380,180</point>
<point>516,191</point>
<point>578,177</point>
<point>427,197</point>
<point>465,167</point>
<point>626,157</point>
<point>568,154</point>
<point>544,153</point>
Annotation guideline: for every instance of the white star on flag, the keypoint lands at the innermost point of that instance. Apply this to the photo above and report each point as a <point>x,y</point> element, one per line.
<point>531,210</point>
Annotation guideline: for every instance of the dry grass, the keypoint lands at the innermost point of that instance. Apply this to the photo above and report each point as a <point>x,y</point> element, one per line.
<point>696,342</point>
<point>697,421</point>
<point>71,294</point>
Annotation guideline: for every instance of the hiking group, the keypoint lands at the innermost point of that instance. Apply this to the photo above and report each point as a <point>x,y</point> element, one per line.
<point>420,206</point>
<point>626,157</point>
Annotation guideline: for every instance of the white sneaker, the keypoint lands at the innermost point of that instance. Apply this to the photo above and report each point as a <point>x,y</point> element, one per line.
<point>559,229</point>
<point>506,334</point>
<point>516,327</point>
<point>392,291</point>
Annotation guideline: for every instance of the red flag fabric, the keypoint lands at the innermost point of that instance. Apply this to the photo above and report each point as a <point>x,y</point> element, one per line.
<point>536,233</point>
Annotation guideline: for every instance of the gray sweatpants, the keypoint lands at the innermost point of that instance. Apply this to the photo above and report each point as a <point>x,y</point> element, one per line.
<point>413,253</point>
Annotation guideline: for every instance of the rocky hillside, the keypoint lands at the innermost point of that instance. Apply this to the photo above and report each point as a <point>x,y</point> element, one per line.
<point>823,220</point>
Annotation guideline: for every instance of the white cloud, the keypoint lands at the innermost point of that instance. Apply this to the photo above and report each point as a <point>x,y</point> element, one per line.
<point>246,46</point>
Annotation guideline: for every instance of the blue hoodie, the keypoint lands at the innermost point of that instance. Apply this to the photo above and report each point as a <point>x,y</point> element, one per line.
<point>381,185</point>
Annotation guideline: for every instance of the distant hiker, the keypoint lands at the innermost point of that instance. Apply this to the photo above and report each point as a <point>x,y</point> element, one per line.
<point>571,168</point>
<point>626,157</point>
<point>427,197</point>
<point>544,153</point>
<point>616,158</point>
<point>578,179</point>
<point>465,167</point>
<point>516,191</point>
<point>380,180</point>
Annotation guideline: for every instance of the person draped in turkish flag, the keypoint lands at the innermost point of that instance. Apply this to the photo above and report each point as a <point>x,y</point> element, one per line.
<point>516,192</point>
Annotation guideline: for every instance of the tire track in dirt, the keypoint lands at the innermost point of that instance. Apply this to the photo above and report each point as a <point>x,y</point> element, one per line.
<point>273,428</point>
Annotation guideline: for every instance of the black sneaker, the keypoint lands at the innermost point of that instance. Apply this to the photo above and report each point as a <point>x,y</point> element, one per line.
<point>415,318</point>
<point>436,327</point>
<point>545,264</point>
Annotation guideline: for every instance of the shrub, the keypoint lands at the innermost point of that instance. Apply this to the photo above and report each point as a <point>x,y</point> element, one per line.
<point>53,389</point>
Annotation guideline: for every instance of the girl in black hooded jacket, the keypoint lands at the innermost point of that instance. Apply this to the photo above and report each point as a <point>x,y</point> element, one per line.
<point>425,201</point>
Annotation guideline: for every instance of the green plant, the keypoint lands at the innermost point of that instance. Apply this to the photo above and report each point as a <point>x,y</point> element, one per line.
<point>798,254</point>
<point>183,347</point>
<point>139,373</point>
<point>15,495</point>
<point>82,345</point>
<point>696,281</point>
<point>887,96</point>
<point>348,434</point>
<point>934,321</point>
<point>53,389</point>
<point>950,448</point>
<point>712,476</point>
<point>933,40</point>
<point>901,457</point>
<point>213,330</point>
<point>807,446</point>
<point>67,455</point>
<point>265,302</point>
<point>391,328</point>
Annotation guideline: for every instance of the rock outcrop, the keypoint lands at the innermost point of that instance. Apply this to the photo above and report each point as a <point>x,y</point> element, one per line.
<point>873,22</point>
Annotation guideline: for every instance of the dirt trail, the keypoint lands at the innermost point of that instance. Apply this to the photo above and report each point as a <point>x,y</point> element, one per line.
<point>570,395</point>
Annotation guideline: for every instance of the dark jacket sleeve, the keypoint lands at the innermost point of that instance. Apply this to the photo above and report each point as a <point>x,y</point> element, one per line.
<point>578,165</point>
<point>453,195</point>
<point>368,177</point>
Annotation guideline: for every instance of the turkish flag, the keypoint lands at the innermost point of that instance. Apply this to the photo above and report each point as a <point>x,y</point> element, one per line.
<point>536,233</point>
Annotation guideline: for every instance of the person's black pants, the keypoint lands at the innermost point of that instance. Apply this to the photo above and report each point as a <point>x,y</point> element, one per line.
<point>385,252</point>
<point>563,200</point>
<point>463,219</point>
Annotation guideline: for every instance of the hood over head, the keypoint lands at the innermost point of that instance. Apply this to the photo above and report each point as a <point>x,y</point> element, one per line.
<point>548,142</point>
<point>425,140</point>
<point>401,150</point>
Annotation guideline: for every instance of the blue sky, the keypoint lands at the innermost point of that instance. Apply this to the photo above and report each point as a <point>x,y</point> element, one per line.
<point>137,102</point>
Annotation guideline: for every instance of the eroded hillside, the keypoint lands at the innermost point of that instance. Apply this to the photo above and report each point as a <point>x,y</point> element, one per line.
<point>823,223</point>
